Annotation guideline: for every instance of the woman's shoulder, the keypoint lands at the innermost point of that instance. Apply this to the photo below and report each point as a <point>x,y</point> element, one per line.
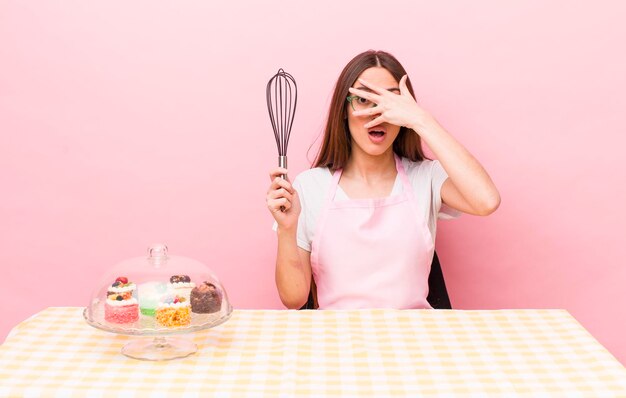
<point>314,177</point>
<point>420,167</point>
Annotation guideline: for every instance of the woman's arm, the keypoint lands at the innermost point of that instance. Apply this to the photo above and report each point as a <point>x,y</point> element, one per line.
<point>468,188</point>
<point>293,271</point>
<point>293,266</point>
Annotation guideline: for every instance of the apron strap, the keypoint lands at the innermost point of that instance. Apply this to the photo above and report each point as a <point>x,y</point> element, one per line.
<point>408,189</point>
<point>333,185</point>
<point>322,217</point>
<point>406,184</point>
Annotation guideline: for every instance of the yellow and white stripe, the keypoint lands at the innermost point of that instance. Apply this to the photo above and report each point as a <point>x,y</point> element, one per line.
<point>258,353</point>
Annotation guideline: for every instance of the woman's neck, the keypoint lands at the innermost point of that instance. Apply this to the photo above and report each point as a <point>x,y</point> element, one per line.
<point>369,168</point>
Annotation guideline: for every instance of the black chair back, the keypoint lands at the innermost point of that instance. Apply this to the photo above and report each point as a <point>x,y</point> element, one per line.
<point>437,292</point>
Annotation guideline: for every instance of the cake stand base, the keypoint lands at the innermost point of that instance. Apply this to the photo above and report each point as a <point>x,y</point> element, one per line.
<point>159,349</point>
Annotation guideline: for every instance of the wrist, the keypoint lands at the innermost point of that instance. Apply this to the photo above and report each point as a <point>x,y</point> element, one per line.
<point>424,126</point>
<point>287,230</point>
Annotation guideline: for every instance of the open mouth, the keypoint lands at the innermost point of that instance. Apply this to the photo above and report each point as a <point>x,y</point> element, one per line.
<point>376,133</point>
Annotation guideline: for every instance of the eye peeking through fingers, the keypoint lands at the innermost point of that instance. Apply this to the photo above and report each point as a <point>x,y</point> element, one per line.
<point>360,103</point>
<point>365,103</point>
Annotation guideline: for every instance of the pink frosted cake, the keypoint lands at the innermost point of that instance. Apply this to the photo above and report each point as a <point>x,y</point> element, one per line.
<point>121,307</point>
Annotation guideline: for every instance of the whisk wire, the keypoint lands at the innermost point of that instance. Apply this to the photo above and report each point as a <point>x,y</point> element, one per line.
<point>282,99</point>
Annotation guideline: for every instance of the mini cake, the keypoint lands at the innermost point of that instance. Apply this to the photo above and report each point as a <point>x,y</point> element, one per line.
<point>173,311</point>
<point>181,285</point>
<point>205,299</point>
<point>121,307</point>
<point>150,294</point>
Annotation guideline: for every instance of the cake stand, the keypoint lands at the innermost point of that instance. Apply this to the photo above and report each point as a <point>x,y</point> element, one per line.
<point>157,342</point>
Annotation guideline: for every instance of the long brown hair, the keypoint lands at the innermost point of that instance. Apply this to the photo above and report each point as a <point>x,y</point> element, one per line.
<point>337,143</point>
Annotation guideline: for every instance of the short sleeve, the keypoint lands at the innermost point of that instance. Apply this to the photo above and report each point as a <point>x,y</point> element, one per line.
<point>302,235</point>
<point>439,176</point>
<point>311,186</point>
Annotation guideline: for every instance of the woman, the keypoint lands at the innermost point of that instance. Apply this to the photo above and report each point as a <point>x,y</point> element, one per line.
<point>362,221</point>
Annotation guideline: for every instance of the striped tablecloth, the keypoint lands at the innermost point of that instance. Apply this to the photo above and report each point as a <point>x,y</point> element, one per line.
<point>426,353</point>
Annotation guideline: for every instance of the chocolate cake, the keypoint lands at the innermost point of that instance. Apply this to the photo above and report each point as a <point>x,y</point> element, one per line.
<point>205,299</point>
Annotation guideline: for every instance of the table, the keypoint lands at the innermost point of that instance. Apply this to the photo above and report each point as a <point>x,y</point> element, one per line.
<point>274,353</point>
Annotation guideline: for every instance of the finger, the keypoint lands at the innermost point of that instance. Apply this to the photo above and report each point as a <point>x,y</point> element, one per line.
<point>369,111</point>
<point>280,183</point>
<point>275,209</point>
<point>277,172</point>
<point>286,205</point>
<point>280,193</point>
<point>375,122</point>
<point>365,94</point>
<point>373,87</point>
<point>404,89</point>
<point>276,204</point>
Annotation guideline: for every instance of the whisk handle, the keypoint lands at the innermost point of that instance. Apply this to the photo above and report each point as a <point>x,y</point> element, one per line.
<point>282,162</point>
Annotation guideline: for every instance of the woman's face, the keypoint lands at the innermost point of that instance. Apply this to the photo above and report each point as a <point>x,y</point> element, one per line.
<point>376,140</point>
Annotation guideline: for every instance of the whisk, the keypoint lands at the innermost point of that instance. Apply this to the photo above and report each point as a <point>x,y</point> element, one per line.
<point>282,98</point>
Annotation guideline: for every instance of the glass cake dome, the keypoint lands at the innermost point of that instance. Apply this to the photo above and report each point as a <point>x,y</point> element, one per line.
<point>158,295</point>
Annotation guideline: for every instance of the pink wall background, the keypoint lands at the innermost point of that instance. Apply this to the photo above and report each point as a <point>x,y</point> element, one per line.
<point>126,123</point>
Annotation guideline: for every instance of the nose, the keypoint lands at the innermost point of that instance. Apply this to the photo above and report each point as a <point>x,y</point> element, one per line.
<point>374,116</point>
